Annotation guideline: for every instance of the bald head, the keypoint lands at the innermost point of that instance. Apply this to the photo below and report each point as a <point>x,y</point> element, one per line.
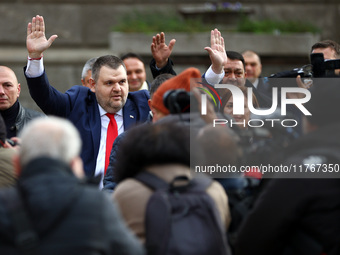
<point>253,65</point>
<point>9,88</point>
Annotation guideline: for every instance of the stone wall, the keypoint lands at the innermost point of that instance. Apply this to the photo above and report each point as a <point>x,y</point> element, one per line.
<point>83,27</point>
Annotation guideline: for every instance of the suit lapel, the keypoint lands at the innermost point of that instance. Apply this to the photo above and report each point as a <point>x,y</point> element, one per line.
<point>129,114</point>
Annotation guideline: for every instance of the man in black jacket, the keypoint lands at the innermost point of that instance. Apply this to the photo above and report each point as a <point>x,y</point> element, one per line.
<point>15,115</point>
<point>67,216</point>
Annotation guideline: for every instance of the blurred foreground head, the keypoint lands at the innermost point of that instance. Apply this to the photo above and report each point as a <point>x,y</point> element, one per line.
<point>51,137</point>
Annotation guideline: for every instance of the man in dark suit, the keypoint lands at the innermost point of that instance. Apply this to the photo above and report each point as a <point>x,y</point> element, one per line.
<point>85,109</point>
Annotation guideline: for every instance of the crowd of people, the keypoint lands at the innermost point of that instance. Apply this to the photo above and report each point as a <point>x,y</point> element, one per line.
<point>108,167</point>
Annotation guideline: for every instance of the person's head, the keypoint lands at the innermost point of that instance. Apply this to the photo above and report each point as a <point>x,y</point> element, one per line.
<point>329,48</point>
<point>234,69</point>
<point>181,81</point>
<point>152,145</point>
<point>9,88</point>
<point>228,105</point>
<point>135,70</point>
<point>109,80</point>
<point>51,137</point>
<point>253,65</point>
<point>87,73</point>
<point>153,87</point>
<point>219,146</point>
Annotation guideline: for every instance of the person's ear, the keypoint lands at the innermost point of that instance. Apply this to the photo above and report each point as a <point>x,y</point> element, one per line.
<point>19,89</point>
<point>93,85</point>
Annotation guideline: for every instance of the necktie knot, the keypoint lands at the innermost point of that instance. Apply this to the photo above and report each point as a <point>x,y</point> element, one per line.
<point>110,115</point>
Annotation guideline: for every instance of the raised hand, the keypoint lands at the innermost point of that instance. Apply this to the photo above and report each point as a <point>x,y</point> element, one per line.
<point>160,51</point>
<point>216,51</point>
<point>36,41</point>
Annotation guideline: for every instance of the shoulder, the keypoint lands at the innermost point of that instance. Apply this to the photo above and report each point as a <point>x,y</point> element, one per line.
<point>32,113</point>
<point>139,95</point>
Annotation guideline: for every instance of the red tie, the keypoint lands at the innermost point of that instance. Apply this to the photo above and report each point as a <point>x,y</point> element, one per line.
<point>112,133</point>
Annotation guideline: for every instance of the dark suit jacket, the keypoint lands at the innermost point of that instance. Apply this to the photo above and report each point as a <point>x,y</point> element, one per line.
<point>80,106</point>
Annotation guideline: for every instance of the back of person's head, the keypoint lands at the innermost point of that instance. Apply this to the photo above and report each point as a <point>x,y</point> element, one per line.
<point>158,81</point>
<point>324,104</point>
<point>219,146</point>
<point>131,55</point>
<point>152,145</point>
<point>233,55</point>
<point>88,66</point>
<point>328,44</point>
<point>181,81</point>
<point>50,137</point>
<point>110,61</point>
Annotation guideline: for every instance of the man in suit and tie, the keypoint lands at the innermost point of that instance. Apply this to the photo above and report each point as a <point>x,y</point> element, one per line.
<point>90,112</point>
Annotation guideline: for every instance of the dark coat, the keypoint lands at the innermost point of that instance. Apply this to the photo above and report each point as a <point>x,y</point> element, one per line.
<point>80,106</point>
<point>69,217</point>
<point>24,116</point>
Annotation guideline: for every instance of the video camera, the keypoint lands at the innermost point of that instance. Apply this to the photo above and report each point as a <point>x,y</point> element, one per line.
<point>319,67</point>
<point>177,101</point>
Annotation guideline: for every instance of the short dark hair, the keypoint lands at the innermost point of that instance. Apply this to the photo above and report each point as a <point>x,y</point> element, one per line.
<point>131,55</point>
<point>158,81</point>
<point>233,55</point>
<point>107,60</point>
<point>152,144</point>
<point>328,44</point>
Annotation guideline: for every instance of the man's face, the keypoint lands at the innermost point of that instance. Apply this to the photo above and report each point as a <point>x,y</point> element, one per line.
<point>9,88</point>
<point>86,81</point>
<point>328,53</point>
<point>111,88</point>
<point>253,67</point>
<point>135,72</point>
<point>234,73</point>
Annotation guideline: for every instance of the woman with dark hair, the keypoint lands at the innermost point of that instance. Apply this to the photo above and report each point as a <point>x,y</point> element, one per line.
<point>164,151</point>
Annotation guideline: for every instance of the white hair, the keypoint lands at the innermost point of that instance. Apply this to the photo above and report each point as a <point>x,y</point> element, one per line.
<point>88,66</point>
<point>52,137</point>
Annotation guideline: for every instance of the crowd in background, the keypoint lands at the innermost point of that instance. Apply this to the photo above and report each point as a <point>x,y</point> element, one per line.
<point>108,167</point>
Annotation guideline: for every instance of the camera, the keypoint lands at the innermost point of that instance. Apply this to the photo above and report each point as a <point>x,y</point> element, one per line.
<point>177,101</point>
<point>11,142</point>
<point>319,67</point>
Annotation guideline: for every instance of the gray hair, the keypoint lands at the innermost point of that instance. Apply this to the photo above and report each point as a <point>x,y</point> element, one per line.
<point>88,66</point>
<point>52,137</point>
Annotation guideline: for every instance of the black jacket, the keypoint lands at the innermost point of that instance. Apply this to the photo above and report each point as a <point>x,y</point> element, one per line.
<point>68,216</point>
<point>24,116</point>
